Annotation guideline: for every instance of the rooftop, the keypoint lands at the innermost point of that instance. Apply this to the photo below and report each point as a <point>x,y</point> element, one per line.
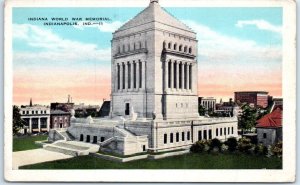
<point>271,120</point>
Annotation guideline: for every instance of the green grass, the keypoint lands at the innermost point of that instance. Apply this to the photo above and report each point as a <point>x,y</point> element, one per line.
<point>187,161</point>
<point>27,142</point>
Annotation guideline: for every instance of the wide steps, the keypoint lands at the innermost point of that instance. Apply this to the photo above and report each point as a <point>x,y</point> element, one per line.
<point>72,148</point>
<point>62,150</point>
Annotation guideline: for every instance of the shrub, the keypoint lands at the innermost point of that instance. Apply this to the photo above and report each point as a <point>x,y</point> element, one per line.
<point>231,143</point>
<point>245,145</point>
<point>277,149</point>
<point>224,148</point>
<point>200,146</point>
<point>215,143</point>
<point>260,149</point>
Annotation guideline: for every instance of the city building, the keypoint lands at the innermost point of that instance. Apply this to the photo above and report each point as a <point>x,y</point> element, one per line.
<point>228,108</point>
<point>269,128</point>
<point>253,98</point>
<point>209,103</point>
<point>154,90</point>
<point>36,117</point>
<point>59,119</point>
<point>67,107</point>
<point>83,110</point>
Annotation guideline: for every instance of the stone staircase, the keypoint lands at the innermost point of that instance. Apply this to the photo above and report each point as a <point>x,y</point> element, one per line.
<point>67,135</point>
<point>123,132</point>
<point>73,148</point>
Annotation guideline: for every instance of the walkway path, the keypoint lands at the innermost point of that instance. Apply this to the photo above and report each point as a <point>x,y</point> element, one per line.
<point>35,156</point>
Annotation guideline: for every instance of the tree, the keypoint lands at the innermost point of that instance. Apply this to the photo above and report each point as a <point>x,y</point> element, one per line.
<point>18,123</point>
<point>201,110</point>
<point>248,118</point>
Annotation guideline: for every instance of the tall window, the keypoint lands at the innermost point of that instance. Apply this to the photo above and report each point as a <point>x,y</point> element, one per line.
<point>185,76</point>
<point>169,45</point>
<point>123,49</point>
<point>190,50</point>
<point>182,136</point>
<point>123,76</point>
<point>118,73</point>
<point>180,75</point>
<point>171,138</point>
<point>177,137</point>
<point>169,74</point>
<point>217,132</point>
<point>228,130</point>
<point>225,131</point>
<point>175,75</point>
<point>205,134</point>
<point>165,138</point>
<point>140,74</point>
<point>188,135</point>
<point>221,130</point>
<point>199,135</point>
<point>175,46</point>
<point>134,75</point>
<point>129,76</point>
<point>231,130</point>
<point>190,77</point>
<point>180,48</point>
<point>209,134</point>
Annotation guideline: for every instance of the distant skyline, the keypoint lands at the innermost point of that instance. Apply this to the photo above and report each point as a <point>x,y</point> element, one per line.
<point>239,49</point>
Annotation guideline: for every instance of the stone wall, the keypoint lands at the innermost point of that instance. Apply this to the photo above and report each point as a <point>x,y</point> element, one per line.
<point>271,136</point>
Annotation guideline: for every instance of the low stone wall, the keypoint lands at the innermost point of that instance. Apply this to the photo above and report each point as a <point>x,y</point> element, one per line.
<point>160,156</point>
<point>119,159</point>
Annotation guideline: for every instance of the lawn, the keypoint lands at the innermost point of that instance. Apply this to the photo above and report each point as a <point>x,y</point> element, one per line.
<point>27,142</point>
<point>187,161</point>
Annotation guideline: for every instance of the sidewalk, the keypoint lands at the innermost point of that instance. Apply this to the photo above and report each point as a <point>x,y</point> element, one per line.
<point>35,156</point>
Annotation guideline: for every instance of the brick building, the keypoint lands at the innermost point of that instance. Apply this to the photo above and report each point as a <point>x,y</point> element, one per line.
<point>59,119</point>
<point>255,98</point>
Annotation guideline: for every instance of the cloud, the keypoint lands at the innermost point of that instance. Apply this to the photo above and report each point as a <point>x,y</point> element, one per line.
<point>227,64</point>
<point>53,48</point>
<point>104,27</point>
<point>260,24</point>
<point>216,47</point>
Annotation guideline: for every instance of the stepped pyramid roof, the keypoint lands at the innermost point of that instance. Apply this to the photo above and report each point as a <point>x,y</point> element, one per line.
<point>154,13</point>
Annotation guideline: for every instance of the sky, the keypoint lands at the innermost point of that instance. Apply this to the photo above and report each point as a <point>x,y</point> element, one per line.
<point>238,49</point>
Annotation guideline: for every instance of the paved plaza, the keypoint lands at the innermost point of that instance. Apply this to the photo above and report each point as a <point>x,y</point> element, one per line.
<point>35,156</point>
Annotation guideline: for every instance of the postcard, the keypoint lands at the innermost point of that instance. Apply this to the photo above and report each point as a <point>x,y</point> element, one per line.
<point>150,91</point>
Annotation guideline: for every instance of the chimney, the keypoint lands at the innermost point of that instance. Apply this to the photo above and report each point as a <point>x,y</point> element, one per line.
<point>30,103</point>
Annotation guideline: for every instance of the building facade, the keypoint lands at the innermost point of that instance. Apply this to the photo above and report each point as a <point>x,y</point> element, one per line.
<point>154,97</point>
<point>209,103</point>
<point>59,119</point>
<point>36,117</point>
<point>255,98</point>
<point>154,67</point>
<point>269,128</point>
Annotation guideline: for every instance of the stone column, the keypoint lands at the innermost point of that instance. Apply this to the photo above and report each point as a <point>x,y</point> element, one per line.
<point>126,76</point>
<point>131,78</point>
<point>182,76</point>
<point>188,76</point>
<point>172,74</point>
<point>121,76</point>
<point>39,124</point>
<point>138,74</point>
<point>177,75</point>
<point>30,125</point>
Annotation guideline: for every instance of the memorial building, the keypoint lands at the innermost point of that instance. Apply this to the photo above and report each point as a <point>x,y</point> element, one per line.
<point>154,90</point>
